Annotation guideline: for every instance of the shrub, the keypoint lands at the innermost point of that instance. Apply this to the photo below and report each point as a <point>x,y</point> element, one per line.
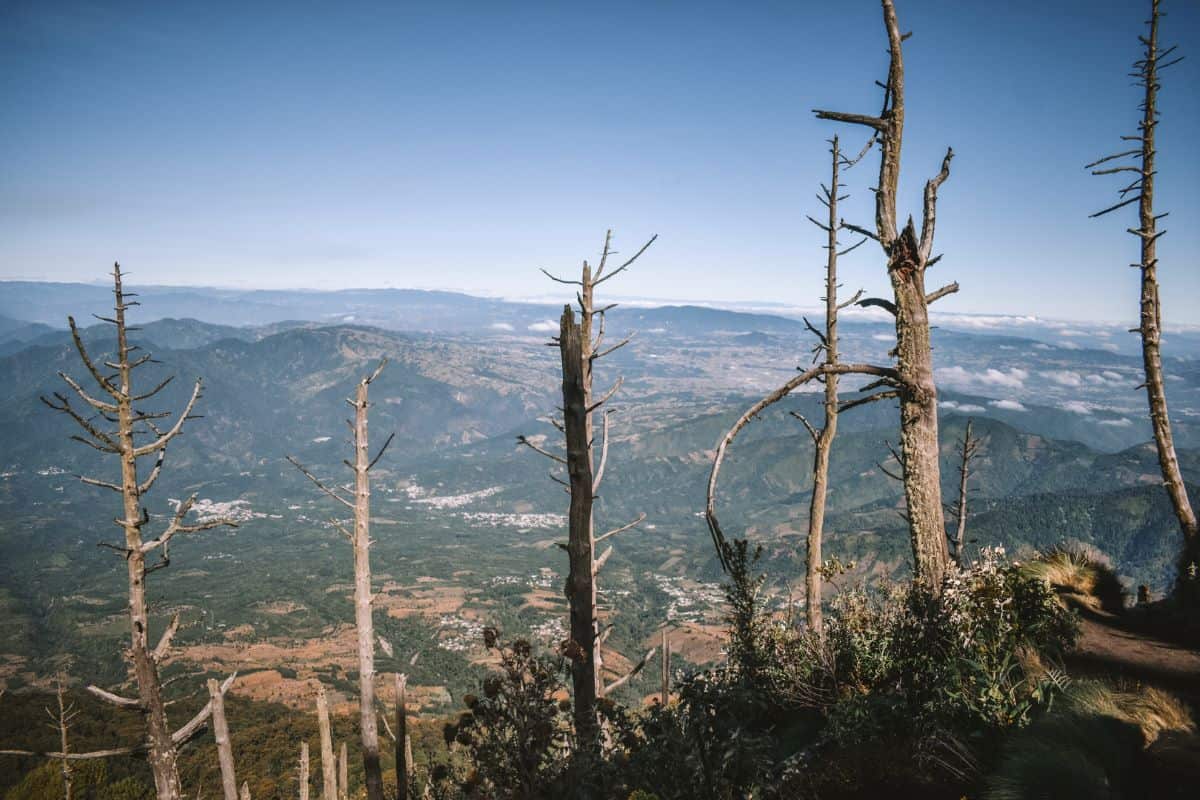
<point>515,732</point>
<point>903,657</point>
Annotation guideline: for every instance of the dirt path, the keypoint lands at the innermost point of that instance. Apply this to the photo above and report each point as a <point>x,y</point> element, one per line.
<point>1131,646</point>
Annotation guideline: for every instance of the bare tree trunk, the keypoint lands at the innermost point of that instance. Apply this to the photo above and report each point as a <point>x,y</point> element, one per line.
<point>581,588</point>
<point>66,713</point>
<point>343,773</point>
<point>665,689</point>
<point>303,777</point>
<point>134,424</point>
<point>823,439</point>
<point>968,446</point>
<point>908,259</point>
<point>372,770</point>
<point>328,764</point>
<point>402,765</point>
<point>360,539</point>
<point>245,793</point>
<point>1150,326</point>
<point>224,748</point>
<point>579,350</point>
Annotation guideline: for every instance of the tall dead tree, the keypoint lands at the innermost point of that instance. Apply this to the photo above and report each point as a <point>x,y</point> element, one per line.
<point>908,258</point>
<point>1141,191</point>
<point>224,747</point>
<point>911,380</point>
<point>580,349</point>
<point>968,448</point>
<point>114,422</point>
<point>360,539</point>
<point>826,350</point>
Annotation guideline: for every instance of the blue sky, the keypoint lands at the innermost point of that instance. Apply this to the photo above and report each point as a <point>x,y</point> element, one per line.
<point>464,145</point>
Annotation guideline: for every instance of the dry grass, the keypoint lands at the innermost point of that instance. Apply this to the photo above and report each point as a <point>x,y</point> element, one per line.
<point>1089,745</point>
<point>1081,575</point>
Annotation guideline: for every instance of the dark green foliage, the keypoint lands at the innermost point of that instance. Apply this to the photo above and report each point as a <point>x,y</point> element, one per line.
<point>515,733</point>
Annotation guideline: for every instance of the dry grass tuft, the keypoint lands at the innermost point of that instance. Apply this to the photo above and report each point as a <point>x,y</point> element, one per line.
<point>1079,574</point>
<point>1089,745</point>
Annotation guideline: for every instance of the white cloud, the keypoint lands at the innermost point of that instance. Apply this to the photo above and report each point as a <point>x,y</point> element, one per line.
<point>1014,378</point>
<point>965,408</point>
<point>884,337</point>
<point>1070,332</point>
<point>1041,346</point>
<point>1008,405</point>
<point>1123,422</point>
<point>1110,347</point>
<point>1063,377</point>
<point>1077,407</point>
<point>500,326</point>
<point>545,326</point>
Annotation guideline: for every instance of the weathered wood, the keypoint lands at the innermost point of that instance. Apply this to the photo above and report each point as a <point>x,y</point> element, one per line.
<point>579,349</point>
<point>1150,326</point>
<point>328,763</point>
<point>665,679</point>
<point>907,260</point>
<point>360,539</point>
<point>402,755</point>
<point>968,447</point>
<point>823,439</point>
<point>363,619</point>
<point>245,793</point>
<point>343,773</point>
<point>63,719</point>
<point>224,747</point>
<point>161,744</point>
<point>302,778</point>
<point>581,588</point>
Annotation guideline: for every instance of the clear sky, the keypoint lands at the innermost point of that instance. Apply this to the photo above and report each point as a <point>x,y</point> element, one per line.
<point>464,145</point>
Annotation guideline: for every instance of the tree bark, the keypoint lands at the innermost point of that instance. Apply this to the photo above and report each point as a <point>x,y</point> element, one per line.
<point>343,773</point>
<point>162,756</point>
<point>224,747</point>
<point>1150,326</point>
<point>402,765</point>
<point>328,763</point>
<point>969,445</point>
<point>372,770</point>
<point>64,719</point>
<point>665,679</point>
<point>908,259</point>
<point>303,777</point>
<point>823,441</point>
<point>581,588</point>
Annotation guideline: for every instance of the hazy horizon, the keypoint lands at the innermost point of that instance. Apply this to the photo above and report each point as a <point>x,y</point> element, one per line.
<point>466,145</point>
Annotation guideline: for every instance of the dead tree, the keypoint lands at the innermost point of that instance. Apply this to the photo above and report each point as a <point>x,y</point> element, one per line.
<point>302,779</point>
<point>224,748</point>
<point>968,448</point>
<point>1141,191</point>
<point>63,718</point>
<point>403,762</point>
<point>343,773</point>
<point>114,422</point>
<point>580,349</point>
<point>360,539</point>
<point>665,677</point>
<point>825,350</point>
<point>328,763</point>
<point>908,258</point>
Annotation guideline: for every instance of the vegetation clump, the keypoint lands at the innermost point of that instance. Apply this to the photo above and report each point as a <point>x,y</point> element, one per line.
<point>1080,575</point>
